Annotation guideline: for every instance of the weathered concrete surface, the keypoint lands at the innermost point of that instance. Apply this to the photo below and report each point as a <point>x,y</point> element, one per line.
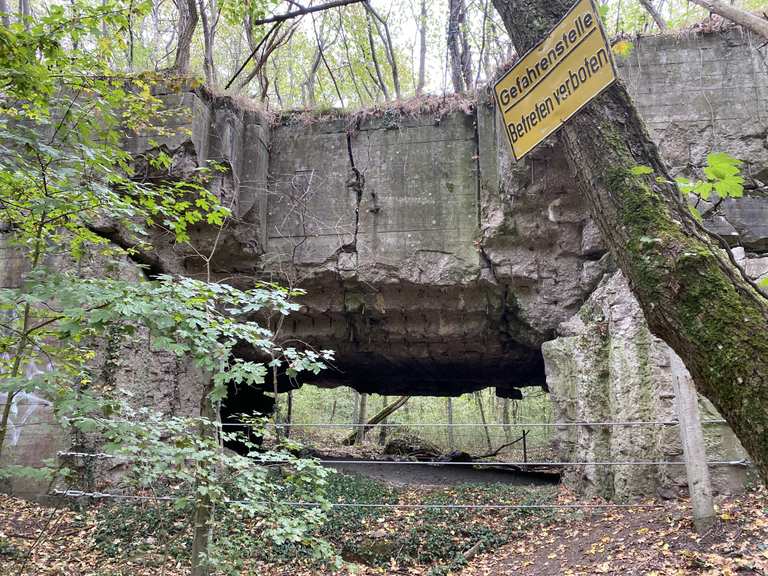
<point>697,94</point>
<point>33,433</point>
<point>433,263</point>
<point>703,93</point>
<point>378,221</point>
<point>607,367</point>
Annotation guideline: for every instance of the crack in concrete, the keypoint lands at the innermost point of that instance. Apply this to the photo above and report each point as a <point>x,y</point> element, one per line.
<point>476,138</point>
<point>355,183</point>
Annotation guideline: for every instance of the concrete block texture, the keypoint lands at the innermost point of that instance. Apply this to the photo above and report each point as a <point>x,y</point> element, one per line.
<point>434,263</point>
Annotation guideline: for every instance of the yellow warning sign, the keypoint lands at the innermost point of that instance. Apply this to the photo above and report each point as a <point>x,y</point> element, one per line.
<point>555,79</point>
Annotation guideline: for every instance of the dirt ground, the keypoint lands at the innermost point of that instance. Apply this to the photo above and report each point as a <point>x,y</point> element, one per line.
<point>650,542</point>
<point>445,475</point>
<point>43,541</point>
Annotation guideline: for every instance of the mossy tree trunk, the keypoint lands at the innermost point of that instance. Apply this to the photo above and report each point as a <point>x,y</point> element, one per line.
<point>694,297</point>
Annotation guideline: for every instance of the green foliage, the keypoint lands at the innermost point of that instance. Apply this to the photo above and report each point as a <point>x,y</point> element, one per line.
<point>61,170</point>
<point>641,170</point>
<point>438,536</point>
<point>66,185</point>
<point>723,177</point>
<point>253,495</point>
<point>118,524</point>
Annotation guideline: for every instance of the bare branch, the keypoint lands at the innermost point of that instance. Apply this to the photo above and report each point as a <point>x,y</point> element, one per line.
<point>304,11</point>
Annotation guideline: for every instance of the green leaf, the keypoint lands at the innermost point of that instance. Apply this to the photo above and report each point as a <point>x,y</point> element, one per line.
<point>702,189</point>
<point>641,170</point>
<point>730,187</point>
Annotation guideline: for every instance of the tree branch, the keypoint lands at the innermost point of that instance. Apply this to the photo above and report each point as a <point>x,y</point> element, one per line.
<point>382,415</point>
<point>304,11</point>
<point>741,17</point>
<point>658,18</point>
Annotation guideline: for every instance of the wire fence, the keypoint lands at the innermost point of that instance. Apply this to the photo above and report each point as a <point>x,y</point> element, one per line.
<point>502,461</point>
<point>521,464</point>
<point>577,506</point>
<point>514,441</point>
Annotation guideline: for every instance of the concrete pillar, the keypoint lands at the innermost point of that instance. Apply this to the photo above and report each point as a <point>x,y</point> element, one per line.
<point>692,438</point>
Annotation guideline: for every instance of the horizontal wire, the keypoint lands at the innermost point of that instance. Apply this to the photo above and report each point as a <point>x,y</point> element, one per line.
<point>402,425</point>
<point>102,455</point>
<point>495,463</point>
<point>475,425</point>
<point>105,495</point>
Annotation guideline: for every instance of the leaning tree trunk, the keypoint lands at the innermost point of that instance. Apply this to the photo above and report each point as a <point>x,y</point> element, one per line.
<point>657,17</point>
<point>694,297</point>
<point>741,17</point>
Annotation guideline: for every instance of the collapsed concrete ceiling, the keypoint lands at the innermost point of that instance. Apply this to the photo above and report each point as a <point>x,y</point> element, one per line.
<point>432,263</point>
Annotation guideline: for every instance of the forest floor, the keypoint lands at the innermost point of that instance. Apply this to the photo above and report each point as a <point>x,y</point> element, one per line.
<point>112,540</point>
<point>426,474</point>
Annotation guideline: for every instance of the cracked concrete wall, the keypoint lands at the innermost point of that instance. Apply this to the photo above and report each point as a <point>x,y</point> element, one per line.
<point>433,263</point>
<point>378,221</point>
<point>606,366</point>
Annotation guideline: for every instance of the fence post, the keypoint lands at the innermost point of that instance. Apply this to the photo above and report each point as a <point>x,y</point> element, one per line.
<point>525,446</point>
<point>692,438</point>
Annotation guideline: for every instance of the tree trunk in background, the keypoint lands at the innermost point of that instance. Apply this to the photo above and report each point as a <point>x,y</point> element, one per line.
<point>741,17</point>
<point>5,20</point>
<point>506,421</point>
<point>333,412</point>
<point>355,406</point>
<point>479,398</point>
<point>459,55</point>
<point>389,51</point>
<point>451,441</point>
<point>289,414</point>
<point>209,35</point>
<point>651,9</point>
<point>692,294</point>
<point>361,418</point>
<point>308,87</point>
<point>185,32</point>
<point>380,418</point>
<point>482,57</point>
<point>422,48</point>
<point>383,429</point>
<point>24,12</point>
<point>374,58</point>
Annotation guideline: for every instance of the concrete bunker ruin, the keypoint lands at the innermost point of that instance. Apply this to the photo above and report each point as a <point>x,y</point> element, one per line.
<point>432,263</point>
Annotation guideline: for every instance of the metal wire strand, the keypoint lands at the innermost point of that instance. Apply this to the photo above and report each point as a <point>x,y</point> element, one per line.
<point>102,455</point>
<point>582,506</point>
<point>628,423</point>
